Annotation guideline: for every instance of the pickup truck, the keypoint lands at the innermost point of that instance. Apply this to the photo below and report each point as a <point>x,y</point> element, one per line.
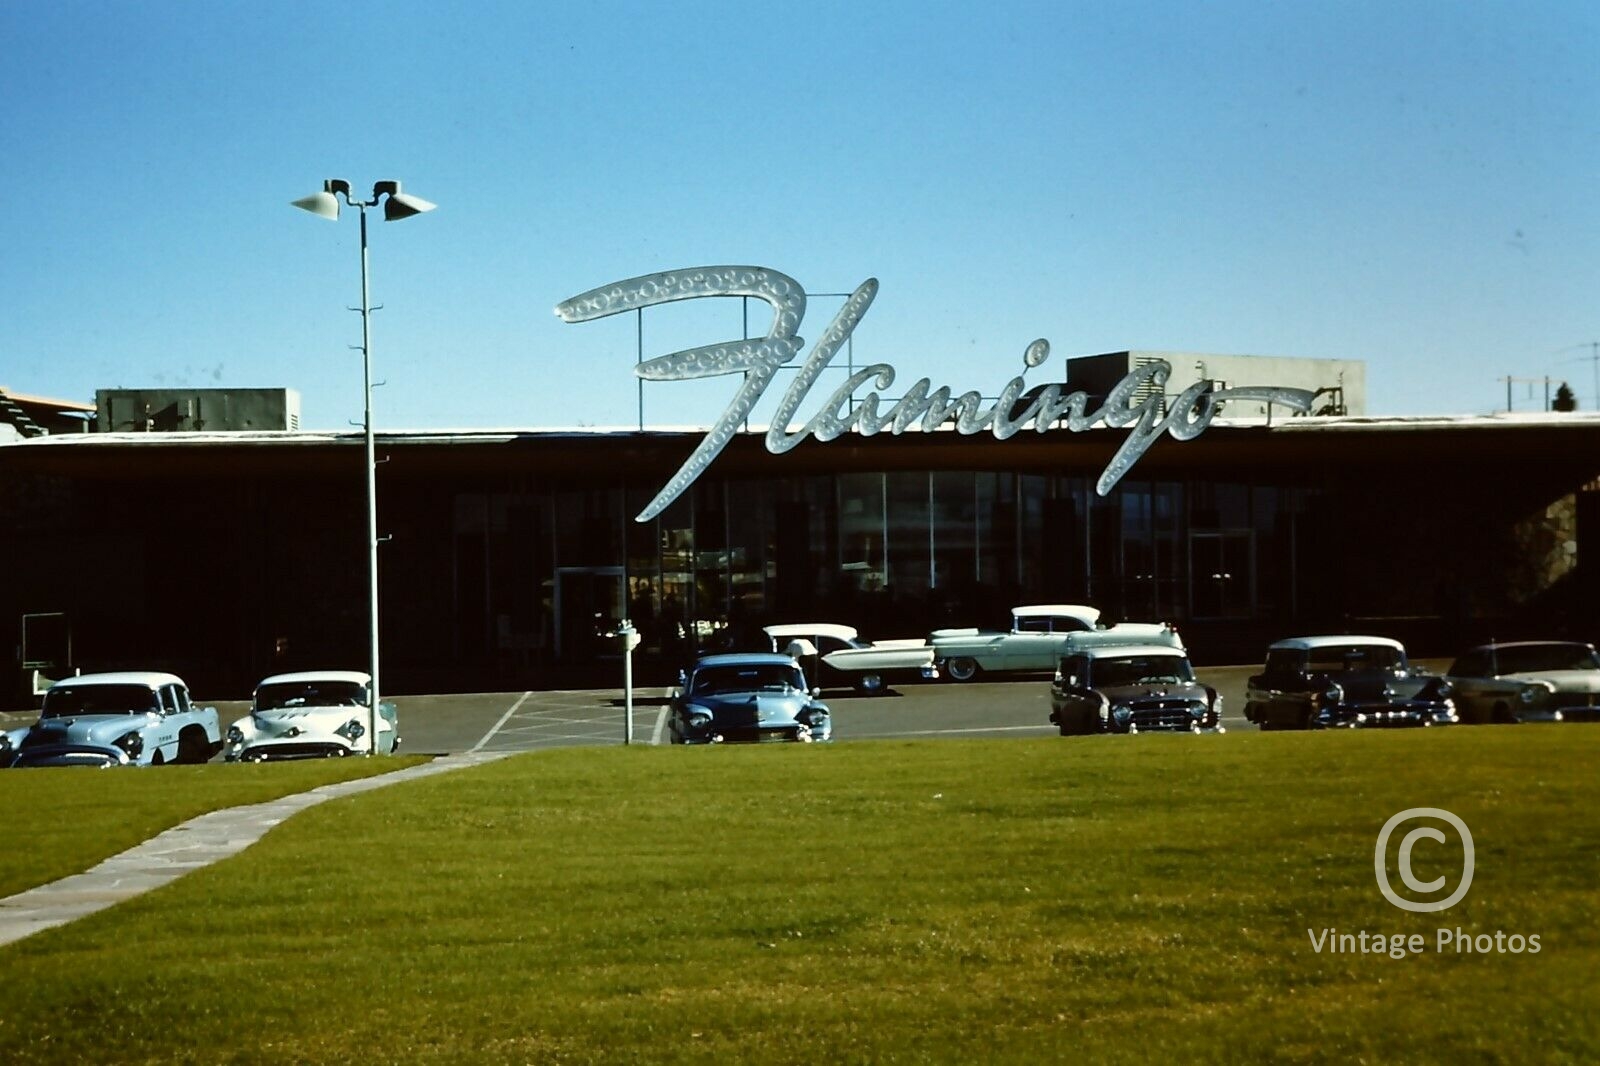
<point>134,718</point>
<point>1039,634</point>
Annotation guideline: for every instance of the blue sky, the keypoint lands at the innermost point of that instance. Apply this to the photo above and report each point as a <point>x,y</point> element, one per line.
<point>1416,185</point>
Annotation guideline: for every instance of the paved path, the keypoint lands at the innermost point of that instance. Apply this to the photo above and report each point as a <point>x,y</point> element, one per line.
<point>189,846</point>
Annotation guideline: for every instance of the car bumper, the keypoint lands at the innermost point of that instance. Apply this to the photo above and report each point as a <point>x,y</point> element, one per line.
<point>786,735</point>
<point>291,750</point>
<point>72,755</point>
<point>1386,716</point>
<point>1574,713</point>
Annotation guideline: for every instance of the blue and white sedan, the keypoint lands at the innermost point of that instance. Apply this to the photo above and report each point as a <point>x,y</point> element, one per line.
<point>135,718</point>
<point>747,696</point>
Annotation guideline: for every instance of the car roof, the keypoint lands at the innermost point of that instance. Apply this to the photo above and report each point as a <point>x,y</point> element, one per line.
<point>1498,645</point>
<point>302,676</point>
<point>151,678</point>
<point>746,658</point>
<point>1113,651</point>
<point>1335,641</point>
<point>1076,610</point>
<point>811,629</point>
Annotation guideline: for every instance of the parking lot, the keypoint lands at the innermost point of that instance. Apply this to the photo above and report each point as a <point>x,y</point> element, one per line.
<point>528,721</point>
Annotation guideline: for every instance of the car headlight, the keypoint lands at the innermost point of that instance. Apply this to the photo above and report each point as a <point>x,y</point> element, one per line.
<point>698,718</point>
<point>235,735</point>
<point>1122,714</point>
<point>132,743</point>
<point>1536,691</point>
<point>815,717</point>
<point>352,730</point>
<point>1334,693</point>
<point>1444,690</point>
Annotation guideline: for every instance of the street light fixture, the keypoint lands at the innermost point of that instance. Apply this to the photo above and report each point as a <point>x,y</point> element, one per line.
<point>396,205</point>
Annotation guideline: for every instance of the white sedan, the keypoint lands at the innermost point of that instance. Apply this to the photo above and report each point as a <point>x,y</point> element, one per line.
<point>841,651</point>
<point>312,715</point>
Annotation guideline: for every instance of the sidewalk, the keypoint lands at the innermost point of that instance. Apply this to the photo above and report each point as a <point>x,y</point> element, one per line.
<point>188,846</point>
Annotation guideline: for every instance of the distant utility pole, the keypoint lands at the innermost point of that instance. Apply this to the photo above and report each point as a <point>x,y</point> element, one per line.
<point>1530,383</point>
<point>1594,359</point>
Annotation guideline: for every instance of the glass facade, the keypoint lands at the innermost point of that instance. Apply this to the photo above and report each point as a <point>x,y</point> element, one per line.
<point>548,577</point>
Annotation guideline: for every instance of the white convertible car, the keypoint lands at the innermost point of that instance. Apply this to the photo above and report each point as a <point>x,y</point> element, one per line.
<point>311,715</point>
<point>1038,637</point>
<point>841,652</point>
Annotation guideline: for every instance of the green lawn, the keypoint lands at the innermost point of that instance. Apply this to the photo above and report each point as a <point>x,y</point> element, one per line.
<point>64,820</point>
<point>1127,899</point>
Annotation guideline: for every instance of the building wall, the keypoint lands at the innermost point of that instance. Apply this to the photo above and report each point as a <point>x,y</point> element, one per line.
<point>224,562</point>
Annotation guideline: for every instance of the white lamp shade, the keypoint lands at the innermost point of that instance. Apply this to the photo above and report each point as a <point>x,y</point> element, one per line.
<point>321,204</point>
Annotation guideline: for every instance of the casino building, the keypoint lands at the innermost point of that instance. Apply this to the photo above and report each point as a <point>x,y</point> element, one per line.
<point>226,552</point>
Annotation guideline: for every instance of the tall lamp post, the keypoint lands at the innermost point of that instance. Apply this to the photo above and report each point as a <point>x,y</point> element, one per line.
<point>396,205</point>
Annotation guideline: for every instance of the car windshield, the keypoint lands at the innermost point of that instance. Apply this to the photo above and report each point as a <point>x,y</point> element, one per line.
<point>1142,670</point>
<point>99,699</point>
<point>311,694</point>
<point>1353,658</point>
<point>747,677</point>
<point>1537,658</point>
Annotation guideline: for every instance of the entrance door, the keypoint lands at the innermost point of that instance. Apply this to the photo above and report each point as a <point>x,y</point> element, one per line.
<point>590,605</point>
<point>1222,574</point>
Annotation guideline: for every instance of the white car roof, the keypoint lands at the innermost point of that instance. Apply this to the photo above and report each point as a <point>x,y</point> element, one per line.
<point>1311,643</point>
<point>355,676</point>
<point>810,629</point>
<point>1076,610</point>
<point>1114,651</point>
<point>152,678</point>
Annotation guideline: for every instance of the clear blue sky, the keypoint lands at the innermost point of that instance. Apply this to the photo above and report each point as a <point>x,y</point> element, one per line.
<point>1416,185</point>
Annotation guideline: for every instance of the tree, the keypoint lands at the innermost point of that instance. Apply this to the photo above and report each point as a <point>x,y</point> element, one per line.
<point>1564,400</point>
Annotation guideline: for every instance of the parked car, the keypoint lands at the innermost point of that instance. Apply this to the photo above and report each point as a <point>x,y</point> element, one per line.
<point>1527,681</point>
<point>1037,637</point>
<point>1345,681</point>
<point>1136,688</point>
<point>315,714</point>
<point>135,718</point>
<point>842,655</point>
<point>747,696</point>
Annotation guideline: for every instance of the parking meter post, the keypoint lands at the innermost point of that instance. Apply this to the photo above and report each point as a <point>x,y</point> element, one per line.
<point>630,640</point>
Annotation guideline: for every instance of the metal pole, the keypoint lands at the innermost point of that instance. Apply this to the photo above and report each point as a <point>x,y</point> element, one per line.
<point>628,635</point>
<point>372,494</point>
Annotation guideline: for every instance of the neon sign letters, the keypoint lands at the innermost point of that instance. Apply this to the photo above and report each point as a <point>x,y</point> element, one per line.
<point>1134,401</point>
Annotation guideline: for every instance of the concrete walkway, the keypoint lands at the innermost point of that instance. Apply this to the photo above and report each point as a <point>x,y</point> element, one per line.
<point>189,846</point>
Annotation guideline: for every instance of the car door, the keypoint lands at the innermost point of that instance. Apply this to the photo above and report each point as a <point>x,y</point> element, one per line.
<point>163,735</point>
<point>1476,691</point>
<point>1031,646</point>
<point>1071,701</point>
<point>1273,691</point>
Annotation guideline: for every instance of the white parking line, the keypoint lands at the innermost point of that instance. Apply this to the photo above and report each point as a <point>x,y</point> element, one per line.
<point>504,718</point>
<point>661,725</point>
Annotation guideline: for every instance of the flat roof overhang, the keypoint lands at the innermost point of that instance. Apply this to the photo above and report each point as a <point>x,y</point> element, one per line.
<point>1287,450</point>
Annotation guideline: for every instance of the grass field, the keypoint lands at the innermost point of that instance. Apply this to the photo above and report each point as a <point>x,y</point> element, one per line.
<point>1127,899</point>
<point>64,821</point>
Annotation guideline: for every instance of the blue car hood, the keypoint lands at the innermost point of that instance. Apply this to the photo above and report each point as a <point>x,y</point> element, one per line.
<point>754,707</point>
<point>96,729</point>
